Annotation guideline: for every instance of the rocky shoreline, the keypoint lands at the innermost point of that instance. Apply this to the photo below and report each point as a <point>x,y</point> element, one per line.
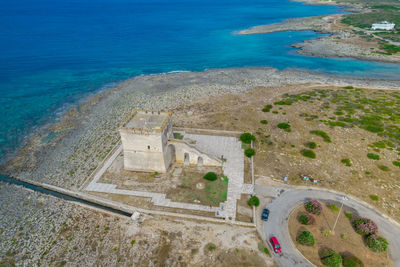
<point>341,42</point>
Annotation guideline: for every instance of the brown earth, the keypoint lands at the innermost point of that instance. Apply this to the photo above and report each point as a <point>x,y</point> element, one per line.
<point>344,241</point>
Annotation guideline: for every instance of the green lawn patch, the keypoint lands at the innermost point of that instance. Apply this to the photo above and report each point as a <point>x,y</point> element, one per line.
<point>308,153</point>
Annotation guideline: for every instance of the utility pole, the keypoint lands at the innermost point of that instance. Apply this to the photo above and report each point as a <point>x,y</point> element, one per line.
<point>340,210</point>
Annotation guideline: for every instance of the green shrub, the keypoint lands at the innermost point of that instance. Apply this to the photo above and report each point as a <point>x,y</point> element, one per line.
<point>374,197</point>
<point>287,102</point>
<point>348,87</point>
<point>249,152</point>
<point>373,156</point>
<point>306,238</point>
<point>330,258</point>
<point>133,242</point>
<point>308,153</point>
<point>264,122</point>
<point>334,207</point>
<point>311,145</point>
<point>267,108</point>
<point>383,168</point>
<point>377,243</point>
<point>313,207</point>
<point>247,138</point>
<point>211,246</point>
<point>322,134</point>
<point>284,126</point>
<point>266,251</point>
<point>306,219</point>
<point>210,176</point>
<point>178,136</point>
<point>349,215</point>
<point>396,163</point>
<point>254,201</point>
<point>346,162</point>
<point>352,261</point>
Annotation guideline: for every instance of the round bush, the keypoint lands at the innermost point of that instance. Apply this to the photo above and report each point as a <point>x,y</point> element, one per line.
<point>311,145</point>
<point>249,152</point>
<point>308,153</point>
<point>306,238</point>
<point>306,219</point>
<point>247,138</point>
<point>330,258</point>
<point>210,176</point>
<point>377,243</point>
<point>284,126</point>
<point>352,262</point>
<point>254,201</point>
<point>364,226</point>
<point>313,207</point>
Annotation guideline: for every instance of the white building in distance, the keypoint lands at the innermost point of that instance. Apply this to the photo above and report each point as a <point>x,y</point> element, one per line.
<point>384,25</point>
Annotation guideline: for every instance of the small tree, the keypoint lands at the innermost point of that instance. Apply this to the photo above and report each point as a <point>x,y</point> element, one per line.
<point>364,226</point>
<point>306,219</point>
<point>249,152</point>
<point>211,176</point>
<point>247,138</point>
<point>330,258</point>
<point>377,243</point>
<point>254,201</point>
<point>313,207</point>
<point>306,238</point>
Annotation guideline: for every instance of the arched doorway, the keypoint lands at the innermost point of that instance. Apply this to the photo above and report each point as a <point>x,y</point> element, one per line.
<point>200,161</point>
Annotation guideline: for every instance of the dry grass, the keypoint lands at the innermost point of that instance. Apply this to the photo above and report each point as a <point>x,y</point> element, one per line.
<point>278,151</point>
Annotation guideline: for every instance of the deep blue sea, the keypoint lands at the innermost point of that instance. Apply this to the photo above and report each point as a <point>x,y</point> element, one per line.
<point>55,52</point>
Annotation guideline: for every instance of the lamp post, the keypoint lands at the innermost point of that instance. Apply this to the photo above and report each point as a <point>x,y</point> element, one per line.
<point>340,210</point>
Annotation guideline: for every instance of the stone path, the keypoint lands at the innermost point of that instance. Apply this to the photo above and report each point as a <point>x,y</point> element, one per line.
<point>228,147</point>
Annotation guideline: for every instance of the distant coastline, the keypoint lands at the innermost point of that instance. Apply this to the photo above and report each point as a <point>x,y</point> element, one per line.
<point>339,43</point>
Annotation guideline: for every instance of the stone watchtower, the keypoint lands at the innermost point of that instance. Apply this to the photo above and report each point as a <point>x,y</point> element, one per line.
<point>144,136</point>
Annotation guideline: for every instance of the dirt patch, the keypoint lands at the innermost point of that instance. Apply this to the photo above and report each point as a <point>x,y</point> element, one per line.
<point>344,241</point>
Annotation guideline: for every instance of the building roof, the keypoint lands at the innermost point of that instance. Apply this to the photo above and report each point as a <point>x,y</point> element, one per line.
<point>146,120</point>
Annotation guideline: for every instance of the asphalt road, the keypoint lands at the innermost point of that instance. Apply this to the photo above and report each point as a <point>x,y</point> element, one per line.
<point>281,207</point>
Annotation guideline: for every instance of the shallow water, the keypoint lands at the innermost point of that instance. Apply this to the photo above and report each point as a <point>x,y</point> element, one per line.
<point>53,53</point>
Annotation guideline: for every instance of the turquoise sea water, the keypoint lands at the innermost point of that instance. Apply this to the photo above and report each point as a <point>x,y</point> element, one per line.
<point>53,53</point>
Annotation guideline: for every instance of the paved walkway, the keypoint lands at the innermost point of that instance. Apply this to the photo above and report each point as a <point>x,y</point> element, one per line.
<point>233,168</point>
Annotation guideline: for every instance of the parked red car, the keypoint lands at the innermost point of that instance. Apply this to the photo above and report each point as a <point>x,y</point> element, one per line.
<point>275,244</point>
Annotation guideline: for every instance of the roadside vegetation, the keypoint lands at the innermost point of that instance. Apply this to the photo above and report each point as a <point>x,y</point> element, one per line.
<point>355,239</point>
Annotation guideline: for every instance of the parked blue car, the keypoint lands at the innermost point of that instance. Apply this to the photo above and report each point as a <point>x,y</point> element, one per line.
<point>265,214</point>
